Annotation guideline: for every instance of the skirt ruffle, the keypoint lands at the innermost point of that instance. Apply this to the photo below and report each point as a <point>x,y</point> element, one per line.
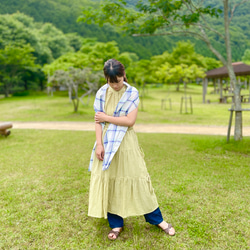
<point>125,188</point>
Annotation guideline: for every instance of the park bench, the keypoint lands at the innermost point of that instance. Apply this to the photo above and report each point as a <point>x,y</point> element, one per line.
<point>244,98</point>
<point>4,128</point>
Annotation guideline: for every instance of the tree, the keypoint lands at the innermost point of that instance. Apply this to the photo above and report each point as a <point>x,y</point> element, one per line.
<point>184,53</point>
<point>75,40</point>
<point>175,17</point>
<point>48,42</point>
<point>246,56</point>
<point>163,72</point>
<point>93,80</point>
<point>212,63</point>
<point>99,52</point>
<point>64,62</point>
<point>180,73</point>
<point>19,29</point>
<point>141,72</point>
<point>14,63</point>
<point>73,78</point>
<point>127,58</point>
<point>55,40</point>
<point>92,54</point>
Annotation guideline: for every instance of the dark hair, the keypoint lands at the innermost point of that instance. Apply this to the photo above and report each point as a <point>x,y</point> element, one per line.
<point>113,68</point>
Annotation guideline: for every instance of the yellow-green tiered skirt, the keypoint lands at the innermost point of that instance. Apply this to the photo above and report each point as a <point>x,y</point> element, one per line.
<point>124,189</point>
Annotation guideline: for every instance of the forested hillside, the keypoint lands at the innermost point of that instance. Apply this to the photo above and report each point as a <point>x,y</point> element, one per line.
<point>63,14</point>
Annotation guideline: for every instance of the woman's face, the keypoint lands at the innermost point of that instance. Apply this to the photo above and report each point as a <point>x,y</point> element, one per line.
<point>117,85</point>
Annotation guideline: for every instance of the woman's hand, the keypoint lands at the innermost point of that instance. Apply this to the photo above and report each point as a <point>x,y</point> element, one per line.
<point>99,152</point>
<point>100,117</point>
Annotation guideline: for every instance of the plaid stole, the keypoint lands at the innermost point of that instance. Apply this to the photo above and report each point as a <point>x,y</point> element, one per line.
<point>114,135</point>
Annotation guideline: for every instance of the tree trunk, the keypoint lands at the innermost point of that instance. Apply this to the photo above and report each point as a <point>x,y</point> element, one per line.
<point>236,86</point>
<point>6,91</point>
<point>41,84</point>
<point>178,86</point>
<point>26,85</point>
<point>70,94</point>
<point>75,98</point>
<point>76,104</point>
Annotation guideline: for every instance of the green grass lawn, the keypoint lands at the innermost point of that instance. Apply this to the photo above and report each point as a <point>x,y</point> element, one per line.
<point>58,108</point>
<point>202,184</point>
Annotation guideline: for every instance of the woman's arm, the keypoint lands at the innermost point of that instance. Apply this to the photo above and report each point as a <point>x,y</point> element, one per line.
<point>99,147</point>
<point>128,120</point>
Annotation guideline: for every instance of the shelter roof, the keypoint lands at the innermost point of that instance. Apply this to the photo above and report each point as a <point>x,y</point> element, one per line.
<point>240,69</point>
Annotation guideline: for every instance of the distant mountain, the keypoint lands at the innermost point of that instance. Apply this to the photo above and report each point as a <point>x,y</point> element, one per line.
<point>63,14</point>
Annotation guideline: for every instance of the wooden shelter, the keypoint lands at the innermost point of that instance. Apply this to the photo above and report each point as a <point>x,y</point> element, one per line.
<point>220,76</point>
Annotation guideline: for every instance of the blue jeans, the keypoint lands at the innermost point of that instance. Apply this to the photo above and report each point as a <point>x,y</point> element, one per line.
<point>153,218</point>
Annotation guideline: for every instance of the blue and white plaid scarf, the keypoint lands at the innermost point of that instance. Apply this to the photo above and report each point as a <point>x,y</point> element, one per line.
<point>114,135</point>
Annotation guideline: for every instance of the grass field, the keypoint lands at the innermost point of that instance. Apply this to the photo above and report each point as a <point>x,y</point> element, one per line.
<point>202,184</point>
<point>58,108</point>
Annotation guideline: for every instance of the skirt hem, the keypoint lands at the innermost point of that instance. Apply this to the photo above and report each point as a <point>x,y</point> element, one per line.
<point>125,216</point>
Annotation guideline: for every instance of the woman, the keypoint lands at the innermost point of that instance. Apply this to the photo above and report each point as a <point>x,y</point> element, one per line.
<point>120,185</point>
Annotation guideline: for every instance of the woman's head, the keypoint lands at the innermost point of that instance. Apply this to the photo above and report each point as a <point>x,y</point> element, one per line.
<point>114,71</point>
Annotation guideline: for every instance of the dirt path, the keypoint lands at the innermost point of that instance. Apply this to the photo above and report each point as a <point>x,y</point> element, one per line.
<point>141,128</point>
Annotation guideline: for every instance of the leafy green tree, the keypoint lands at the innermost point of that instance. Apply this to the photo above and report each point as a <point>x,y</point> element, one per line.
<point>99,52</point>
<point>19,29</point>
<point>127,58</point>
<point>89,60</point>
<point>92,54</point>
<point>163,72</point>
<point>64,62</point>
<point>161,59</point>
<point>178,74</point>
<point>141,72</point>
<point>55,40</point>
<point>184,53</point>
<point>212,63</point>
<point>33,79</point>
<point>15,62</point>
<point>75,40</point>
<point>159,66</point>
<point>48,42</point>
<point>246,56</point>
